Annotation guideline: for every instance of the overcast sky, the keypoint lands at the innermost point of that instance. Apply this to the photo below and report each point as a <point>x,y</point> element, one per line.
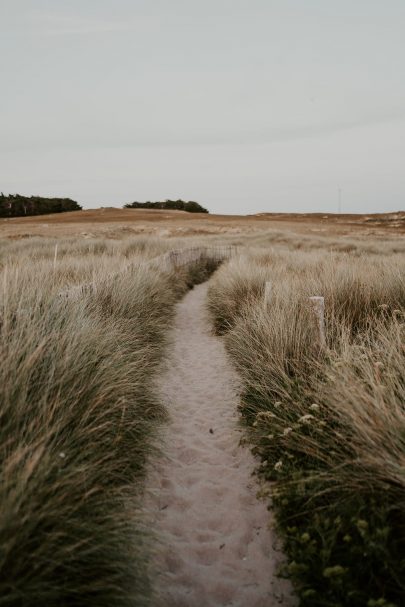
<point>242,105</point>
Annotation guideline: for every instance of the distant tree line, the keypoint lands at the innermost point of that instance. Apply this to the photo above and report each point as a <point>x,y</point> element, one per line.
<point>177,205</point>
<point>15,205</point>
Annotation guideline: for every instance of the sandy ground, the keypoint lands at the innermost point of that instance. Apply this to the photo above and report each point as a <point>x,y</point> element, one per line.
<point>216,548</point>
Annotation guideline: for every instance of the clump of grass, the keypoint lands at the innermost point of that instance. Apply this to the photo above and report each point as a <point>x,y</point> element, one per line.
<point>236,285</point>
<point>329,424</point>
<point>77,419</point>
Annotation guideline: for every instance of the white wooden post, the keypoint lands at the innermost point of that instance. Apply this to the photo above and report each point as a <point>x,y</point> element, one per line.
<point>55,256</point>
<point>318,307</point>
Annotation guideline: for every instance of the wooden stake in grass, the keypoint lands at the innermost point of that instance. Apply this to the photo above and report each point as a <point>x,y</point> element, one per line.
<point>55,256</point>
<point>267,293</point>
<point>318,306</point>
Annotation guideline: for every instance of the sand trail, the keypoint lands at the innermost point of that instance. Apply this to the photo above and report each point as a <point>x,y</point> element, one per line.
<point>216,547</point>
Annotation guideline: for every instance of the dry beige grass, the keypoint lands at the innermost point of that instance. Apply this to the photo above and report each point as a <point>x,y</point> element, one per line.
<point>78,417</point>
<point>83,366</point>
<point>123,223</point>
<point>328,424</point>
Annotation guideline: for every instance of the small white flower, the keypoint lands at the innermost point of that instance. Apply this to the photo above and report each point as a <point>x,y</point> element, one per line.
<point>270,436</point>
<point>62,455</point>
<point>314,407</point>
<point>305,419</point>
<point>277,404</point>
<point>287,431</point>
<point>264,415</point>
<point>278,465</point>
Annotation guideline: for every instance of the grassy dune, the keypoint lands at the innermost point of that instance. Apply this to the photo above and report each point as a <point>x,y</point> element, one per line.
<point>78,416</point>
<point>328,424</point>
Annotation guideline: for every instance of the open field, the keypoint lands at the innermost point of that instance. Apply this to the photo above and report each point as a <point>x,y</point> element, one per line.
<point>120,223</point>
<point>80,411</point>
<point>379,234</point>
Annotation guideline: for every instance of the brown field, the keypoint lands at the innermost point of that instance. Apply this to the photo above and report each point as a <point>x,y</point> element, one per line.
<point>121,223</point>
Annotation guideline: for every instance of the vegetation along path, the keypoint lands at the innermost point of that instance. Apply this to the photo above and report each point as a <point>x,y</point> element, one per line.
<point>216,547</point>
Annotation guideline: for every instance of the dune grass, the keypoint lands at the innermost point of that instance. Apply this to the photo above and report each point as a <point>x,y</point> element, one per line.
<point>327,423</point>
<point>78,417</point>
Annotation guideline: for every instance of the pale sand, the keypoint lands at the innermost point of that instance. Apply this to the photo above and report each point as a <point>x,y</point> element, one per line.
<point>216,545</point>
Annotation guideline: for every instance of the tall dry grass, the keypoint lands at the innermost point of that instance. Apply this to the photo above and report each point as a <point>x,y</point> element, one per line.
<point>322,240</point>
<point>328,424</point>
<point>78,417</point>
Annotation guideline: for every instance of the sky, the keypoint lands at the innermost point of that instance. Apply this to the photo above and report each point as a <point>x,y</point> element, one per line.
<point>245,106</point>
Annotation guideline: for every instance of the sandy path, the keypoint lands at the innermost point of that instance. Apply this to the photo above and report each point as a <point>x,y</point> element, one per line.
<point>216,546</point>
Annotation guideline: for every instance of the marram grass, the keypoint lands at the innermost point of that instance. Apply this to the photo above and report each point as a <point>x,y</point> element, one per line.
<point>327,424</point>
<point>77,418</point>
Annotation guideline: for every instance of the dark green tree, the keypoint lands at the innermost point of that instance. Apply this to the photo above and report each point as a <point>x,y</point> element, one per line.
<point>15,205</point>
<point>176,205</point>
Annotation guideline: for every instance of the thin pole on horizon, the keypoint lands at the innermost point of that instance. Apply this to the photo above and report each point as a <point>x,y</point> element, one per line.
<point>339,200</point>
